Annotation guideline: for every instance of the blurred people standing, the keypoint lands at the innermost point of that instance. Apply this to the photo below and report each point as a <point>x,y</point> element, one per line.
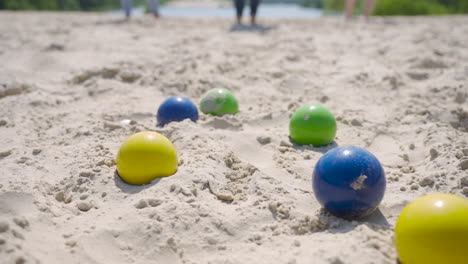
<point>127,7</point>
<point>239,4</point>
<point>368,7</point>
<point>153,6</point>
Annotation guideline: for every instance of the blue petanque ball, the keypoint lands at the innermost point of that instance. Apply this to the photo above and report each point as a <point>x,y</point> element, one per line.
<point>349,182</point>
<point>176,109</point>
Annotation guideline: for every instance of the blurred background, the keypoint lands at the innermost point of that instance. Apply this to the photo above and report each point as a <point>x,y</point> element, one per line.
<point>269,8</point>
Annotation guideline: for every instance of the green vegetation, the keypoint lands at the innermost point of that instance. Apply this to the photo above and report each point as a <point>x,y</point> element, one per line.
<point>409,8</point>
<point>406,7</point>
<point>335,5</point>
<point>455,6</point>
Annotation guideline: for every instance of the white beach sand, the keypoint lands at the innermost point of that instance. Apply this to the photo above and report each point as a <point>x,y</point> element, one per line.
<point>397,86</point>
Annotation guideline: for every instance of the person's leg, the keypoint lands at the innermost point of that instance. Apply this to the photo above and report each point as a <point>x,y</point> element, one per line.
<point>253,10</point>
<point>239,9</point>
<point>369,7</point>
<point>127,6</point>
<point>350,8</point>
<point>154,7</point>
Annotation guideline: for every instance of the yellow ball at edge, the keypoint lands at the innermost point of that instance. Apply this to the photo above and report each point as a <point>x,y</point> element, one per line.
<point>433,229</point>
<point>146,156</point>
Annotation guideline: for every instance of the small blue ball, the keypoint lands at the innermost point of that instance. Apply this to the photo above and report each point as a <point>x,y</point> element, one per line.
<point>176,109</point>
<point>349,182</point>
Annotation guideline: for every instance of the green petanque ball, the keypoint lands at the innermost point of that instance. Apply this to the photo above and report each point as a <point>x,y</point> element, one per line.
<point>312,124</point>
<point>219,102</point>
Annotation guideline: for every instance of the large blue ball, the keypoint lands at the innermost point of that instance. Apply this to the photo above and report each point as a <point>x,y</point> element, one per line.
<point>176,109</point>
<point>349,182</point>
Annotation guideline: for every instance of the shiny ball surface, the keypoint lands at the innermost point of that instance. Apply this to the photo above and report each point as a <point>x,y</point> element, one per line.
<point>146,156</point>
<point>312,124</point>
<point>349,182</point>
<point>219,102</point>
<point>176,109</point>
<point>433,229</point>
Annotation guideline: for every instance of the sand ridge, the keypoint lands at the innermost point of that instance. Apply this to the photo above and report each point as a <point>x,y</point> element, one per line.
<point>74,86</point>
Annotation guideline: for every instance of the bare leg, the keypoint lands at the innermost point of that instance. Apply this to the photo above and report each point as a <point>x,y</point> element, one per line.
<point>350,8</point>
<point>369,7</point>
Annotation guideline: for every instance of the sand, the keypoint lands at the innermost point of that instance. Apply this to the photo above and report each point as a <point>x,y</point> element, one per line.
<point>397,86</point>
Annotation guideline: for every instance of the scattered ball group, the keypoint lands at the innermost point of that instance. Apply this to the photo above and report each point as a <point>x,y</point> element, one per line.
<point>348,181</point>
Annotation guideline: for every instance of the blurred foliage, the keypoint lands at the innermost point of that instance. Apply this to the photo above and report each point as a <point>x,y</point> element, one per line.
<point>409,8</point>
<point>335,5</point>
<point>455,6</point>
<point>406,7</point>
<point>85,5</point>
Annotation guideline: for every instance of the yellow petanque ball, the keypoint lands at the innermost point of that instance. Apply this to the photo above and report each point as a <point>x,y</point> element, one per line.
<point>146,156</point>
<point>433,229</point>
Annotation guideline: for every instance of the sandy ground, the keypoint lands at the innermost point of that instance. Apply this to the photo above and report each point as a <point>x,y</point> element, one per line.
<point>398,87</point>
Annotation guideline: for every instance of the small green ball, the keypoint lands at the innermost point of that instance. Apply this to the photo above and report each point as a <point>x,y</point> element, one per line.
<point>219,102</point>
<point>312,124</point>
